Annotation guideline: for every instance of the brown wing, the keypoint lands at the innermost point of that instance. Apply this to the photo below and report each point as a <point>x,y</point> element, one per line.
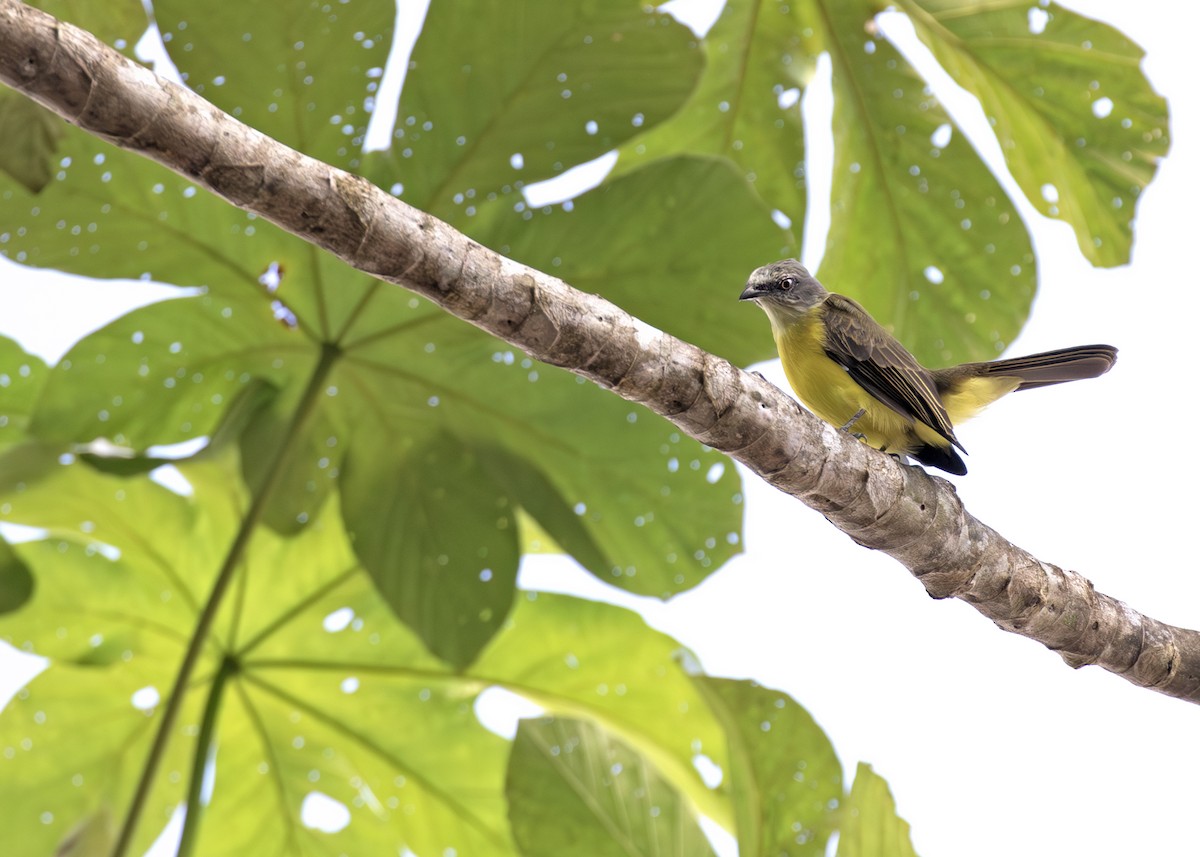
<point>882,366</point>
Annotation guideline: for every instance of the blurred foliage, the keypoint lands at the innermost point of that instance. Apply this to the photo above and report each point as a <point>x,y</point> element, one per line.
<point>310,612</point>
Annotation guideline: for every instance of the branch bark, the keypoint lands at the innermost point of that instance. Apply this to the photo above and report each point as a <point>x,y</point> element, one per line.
<point>916,518</point>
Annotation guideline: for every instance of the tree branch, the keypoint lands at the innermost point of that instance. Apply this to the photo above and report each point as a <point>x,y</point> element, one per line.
<point>913,516</point>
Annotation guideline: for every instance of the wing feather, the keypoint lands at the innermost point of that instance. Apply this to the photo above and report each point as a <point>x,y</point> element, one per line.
<point>882,366</point>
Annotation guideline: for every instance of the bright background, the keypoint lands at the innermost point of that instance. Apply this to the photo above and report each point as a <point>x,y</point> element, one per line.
<point>992,746</point>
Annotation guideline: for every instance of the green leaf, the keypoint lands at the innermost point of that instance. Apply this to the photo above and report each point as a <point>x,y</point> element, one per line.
<point>131,530</point>
<point>576,791</point>
<point>583,659</point>
<point>113,215</point>
<point>870,826</point>
<point>438,537</point>
<point>305,73</point>
<point>69,745</point>
<point>756,51</point>
<point>94,836</point>
<point>318,675</point>
<point>173,371</point>
<point>498,97</point>
<point>22,376</point>
<point>599,245</point>
<point>404,755</point>
<point>921,233</point>
<point>288,726</point>
<point>542,509</point>
<point>1080,126</point>
<point>786,780</point>
<point>123,216</point>
<point>112,610</point>
<point>29,133</point>
<point>660,511</point>
<point>29,137</point>
<point>246,404</point>
<point>167,372</point>
<point>311,470</point>
<point>16,581</point>
<point>119,23</point>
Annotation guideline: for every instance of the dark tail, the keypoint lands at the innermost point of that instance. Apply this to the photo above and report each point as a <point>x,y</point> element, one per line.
<point>1041,370</point>
<point>942,457</point>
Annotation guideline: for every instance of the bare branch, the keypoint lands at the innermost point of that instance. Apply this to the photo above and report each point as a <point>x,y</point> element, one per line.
<point>914,517</point>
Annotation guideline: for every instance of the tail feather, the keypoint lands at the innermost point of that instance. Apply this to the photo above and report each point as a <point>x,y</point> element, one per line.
<point>942,457</point>
<point>1044,369</point>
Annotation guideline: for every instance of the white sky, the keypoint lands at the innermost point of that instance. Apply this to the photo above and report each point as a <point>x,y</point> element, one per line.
<point>992,746</point>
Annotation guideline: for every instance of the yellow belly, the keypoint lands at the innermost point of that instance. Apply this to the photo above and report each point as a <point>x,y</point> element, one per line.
<point>828,391</point>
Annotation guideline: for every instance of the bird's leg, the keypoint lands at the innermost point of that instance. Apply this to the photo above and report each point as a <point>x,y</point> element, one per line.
<point>850,424</point>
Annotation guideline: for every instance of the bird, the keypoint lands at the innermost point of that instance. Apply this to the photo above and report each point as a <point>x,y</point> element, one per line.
<point>851,372</point>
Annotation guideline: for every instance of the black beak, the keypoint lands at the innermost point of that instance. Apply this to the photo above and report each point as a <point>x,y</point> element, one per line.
<point>752,292</point>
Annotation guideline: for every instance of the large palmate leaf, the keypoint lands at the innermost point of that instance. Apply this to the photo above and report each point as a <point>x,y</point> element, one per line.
<point>1080,126</point>
<point>920,230</point>
<point>302,680</point>
<point>277,321</point>
<point>921,233</point>
<point>192,358</point>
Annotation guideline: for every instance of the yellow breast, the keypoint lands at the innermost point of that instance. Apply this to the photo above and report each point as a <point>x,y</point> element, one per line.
<point>828,391</point>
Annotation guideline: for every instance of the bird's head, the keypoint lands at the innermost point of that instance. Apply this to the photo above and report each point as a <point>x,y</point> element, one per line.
<point>784,289</point>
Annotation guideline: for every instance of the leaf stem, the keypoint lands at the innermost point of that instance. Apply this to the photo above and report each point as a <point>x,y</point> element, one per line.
<point>329,357</point>
<point>203,755</point>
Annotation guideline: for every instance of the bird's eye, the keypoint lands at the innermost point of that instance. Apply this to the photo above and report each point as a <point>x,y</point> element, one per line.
<point>786,284</point>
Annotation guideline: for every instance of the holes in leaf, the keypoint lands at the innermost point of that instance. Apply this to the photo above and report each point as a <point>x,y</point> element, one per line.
<point>338,620</point>
<point>318,811</point>
<point>499,710</point>
<point>710,772</point>
<point>169,477</point>
<point>941,135</point>
<point>272,277</point>
<point>144,699</point>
